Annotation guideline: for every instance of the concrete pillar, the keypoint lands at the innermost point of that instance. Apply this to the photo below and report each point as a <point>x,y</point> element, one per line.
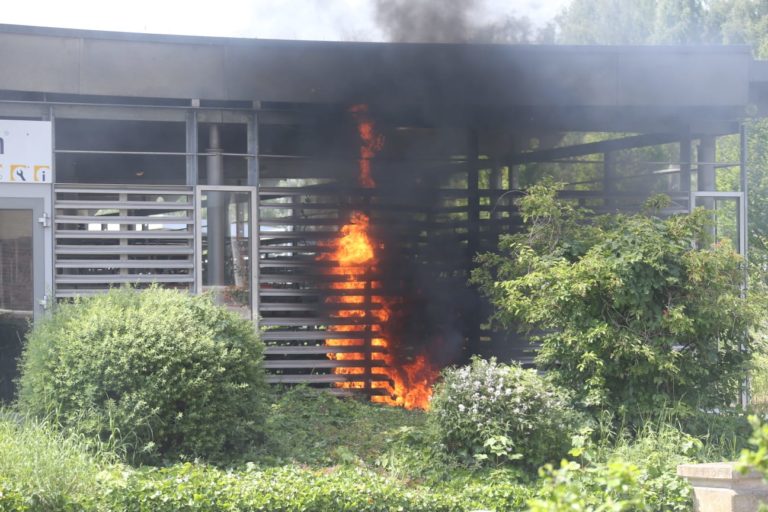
<point>720,487</point>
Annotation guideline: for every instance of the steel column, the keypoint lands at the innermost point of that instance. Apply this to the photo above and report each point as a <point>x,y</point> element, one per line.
<point>217,211</point>
<point>684,159</point>
<point>191,157</point>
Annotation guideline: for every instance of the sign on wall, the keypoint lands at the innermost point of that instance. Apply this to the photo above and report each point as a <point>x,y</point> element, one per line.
<point>25,152</point>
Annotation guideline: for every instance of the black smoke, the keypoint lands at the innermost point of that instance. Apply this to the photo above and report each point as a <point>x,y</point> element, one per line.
<point>452,21</point>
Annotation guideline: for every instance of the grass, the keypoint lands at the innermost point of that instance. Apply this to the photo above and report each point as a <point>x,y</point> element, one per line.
<point>312,427</point>
<point>322,453</point>
<point>49,468</point>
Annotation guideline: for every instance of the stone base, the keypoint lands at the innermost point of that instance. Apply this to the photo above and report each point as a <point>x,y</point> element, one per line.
<point>720,487</point>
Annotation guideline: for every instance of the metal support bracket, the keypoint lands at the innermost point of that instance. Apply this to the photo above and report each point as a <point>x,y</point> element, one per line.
<point>45,220</point>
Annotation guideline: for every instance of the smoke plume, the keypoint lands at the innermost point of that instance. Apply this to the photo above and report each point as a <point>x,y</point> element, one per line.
<point>452,21</point>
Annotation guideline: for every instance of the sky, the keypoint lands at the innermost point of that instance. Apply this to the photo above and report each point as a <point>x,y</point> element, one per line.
<point>265,19</point>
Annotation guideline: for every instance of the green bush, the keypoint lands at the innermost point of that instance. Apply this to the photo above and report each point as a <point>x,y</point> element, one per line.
<point>613,487</point>
<point>623,470</point>
<point>496,413</point>
<point>757,457</point>
<point>634,311</point>
<point>168,373</point>
<point>199,488</point>
<point>725,432</point>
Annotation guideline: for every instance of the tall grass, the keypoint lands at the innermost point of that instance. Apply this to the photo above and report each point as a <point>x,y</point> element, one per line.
<point>671,433</point>
<point>51,470</point>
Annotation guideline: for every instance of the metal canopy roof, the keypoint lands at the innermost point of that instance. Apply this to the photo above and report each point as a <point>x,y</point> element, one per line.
<point>568,87</point>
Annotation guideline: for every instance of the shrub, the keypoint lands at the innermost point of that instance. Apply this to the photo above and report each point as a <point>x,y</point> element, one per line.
<point>725,432</point>
<point>605,488</point>
<point>623,470</point>
<point>638,476</point>
<point>496,413</point>
<point>635,311</point>
<point>757,457</point>
<point>200,488</point>
<point>169,373</point>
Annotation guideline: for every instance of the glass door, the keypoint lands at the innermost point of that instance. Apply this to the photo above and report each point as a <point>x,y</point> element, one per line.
<point>21,281</point>
<point>226,247</point>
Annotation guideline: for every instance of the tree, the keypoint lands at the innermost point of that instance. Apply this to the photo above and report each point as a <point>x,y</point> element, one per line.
<point>606,22</point>
<point>640,22</point>
<point>633,312</point>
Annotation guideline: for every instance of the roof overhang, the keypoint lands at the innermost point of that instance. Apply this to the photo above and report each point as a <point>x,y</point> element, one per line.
<point>576,87</point>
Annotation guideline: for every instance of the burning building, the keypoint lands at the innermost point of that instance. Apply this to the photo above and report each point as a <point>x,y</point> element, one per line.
<point>335,193</point>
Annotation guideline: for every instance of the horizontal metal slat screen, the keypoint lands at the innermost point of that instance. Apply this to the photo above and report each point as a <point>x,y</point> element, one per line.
<point>325,321</point>
<point>109,236</point>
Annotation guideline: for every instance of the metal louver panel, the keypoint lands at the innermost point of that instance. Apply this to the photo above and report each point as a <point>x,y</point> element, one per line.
<point>108,236</point>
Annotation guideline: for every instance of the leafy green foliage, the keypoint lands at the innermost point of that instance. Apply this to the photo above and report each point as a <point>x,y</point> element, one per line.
<point>613,487</point>
<point>10,499</point>
<point>497,413</point>
<point>313,427</point>
<point>620,470</point>
<point>43,469</point>
<point>190,487</point>
<point>723,433</point>
<point>634,311</point>
<point>623,468</point>
<point>166,373</point>
<point>756,458</point>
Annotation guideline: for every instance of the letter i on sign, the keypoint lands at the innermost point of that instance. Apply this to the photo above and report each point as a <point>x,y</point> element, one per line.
<point>40,173</point>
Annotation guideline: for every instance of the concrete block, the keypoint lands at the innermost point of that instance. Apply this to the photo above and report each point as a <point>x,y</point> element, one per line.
<point>721,487</point>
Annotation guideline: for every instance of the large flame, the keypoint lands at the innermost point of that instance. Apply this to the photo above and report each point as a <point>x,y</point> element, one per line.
<point>354,252</point>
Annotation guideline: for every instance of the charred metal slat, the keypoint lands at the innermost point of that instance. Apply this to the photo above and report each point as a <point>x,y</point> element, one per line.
<point>314,322</point>
<point>320,364</point>
<point>289,263</point>
<point>273,335</point>
<point>635,141</point>
<point>319,277</point>
<point>296,235</point>
<point>283,350</point>
<point>321,378</point>
<point>312,292</point>
<point>316,306</point>
<point>352,392</point>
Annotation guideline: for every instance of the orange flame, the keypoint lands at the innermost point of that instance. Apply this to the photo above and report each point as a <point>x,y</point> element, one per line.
<point>372,143</point>
<point>364,315</point>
